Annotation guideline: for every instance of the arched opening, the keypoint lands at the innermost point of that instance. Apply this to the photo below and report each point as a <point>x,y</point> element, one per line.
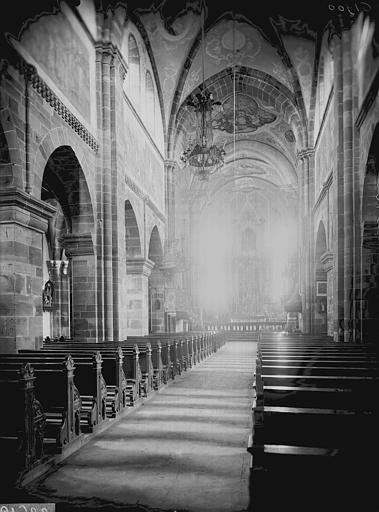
<point>4,151</point>
<point>64,187</point>
<point>370,245</point>
<point>132,237</point>
<point>156,284</point>
<point>150,103</point>
<point>132,322</point>
<point>321,286</point>
<point>6,171</point>
<point>134,69</point>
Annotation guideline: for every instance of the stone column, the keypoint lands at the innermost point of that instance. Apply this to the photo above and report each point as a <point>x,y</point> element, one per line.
<point>338,181</point>
<point>170,256</point>
<point>23,223</point>
<point>348,190</point>
<point>80,251</point>
<point>170,199</point>
<point>65,299</point>
<point>307,238</point>
<point>110,72</point>
<point>300,236</point>
<point>327,263</point>
<point>105,70</point>
<point>138,271</point>
<point>157,303</point>
<point>54,268</point>
<point>344,183</point>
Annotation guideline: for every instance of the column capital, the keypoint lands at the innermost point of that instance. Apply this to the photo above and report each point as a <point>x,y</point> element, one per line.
<point>170,164</point>
<point>54,267</point>
<point>108,53</point>
<point>139,266</point>
<point>65,265</point>
<point>305,153</point>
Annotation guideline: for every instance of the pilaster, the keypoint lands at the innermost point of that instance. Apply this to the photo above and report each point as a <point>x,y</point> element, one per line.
<point>23,223</point>
<point>306,156</point>
<point>111,70</point>
<point>338,180</point>
<point>80,250</point>
<point>138,271</point>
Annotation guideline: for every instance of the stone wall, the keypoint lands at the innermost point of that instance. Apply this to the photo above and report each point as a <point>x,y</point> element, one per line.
<point>63,91</point>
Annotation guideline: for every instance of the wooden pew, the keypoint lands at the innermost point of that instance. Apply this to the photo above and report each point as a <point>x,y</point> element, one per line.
<point>174,351</point>
<point>88,379</point>
<point>22,424</point>
<point>190,358</point>
<point>55,389</point>
<point>315,404</point>
<point>116,366</point>
<point>167,354</point>
<point>149,380</point>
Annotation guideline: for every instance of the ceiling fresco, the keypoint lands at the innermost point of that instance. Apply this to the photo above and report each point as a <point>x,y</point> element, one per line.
<point>242,114</point>
<point>251,50</point>
<point>170,49</point>
<point>302,53</point>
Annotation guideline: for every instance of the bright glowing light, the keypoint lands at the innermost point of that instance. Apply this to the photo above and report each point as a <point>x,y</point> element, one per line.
<point>212,259</point>
<point>235,272</point>
<point>280,249</point>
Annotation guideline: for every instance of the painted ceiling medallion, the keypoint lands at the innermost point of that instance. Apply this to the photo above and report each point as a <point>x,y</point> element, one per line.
<point>289,135</point>
<point>239,40</point>
<point>248,117</point>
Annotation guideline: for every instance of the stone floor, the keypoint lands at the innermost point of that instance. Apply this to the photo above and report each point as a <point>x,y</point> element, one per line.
<point>182,450</point>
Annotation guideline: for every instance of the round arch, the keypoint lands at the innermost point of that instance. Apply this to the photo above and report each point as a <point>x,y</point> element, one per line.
<point>53,140</point>
<point>156,284</point>
<point>321,287</point>
<point>132,233</point>
<point>63,180</point>
<point>155,251</point>
<point>252,82</point>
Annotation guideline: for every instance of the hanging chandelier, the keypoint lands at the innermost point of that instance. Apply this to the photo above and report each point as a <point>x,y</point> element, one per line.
<point>202,154</point>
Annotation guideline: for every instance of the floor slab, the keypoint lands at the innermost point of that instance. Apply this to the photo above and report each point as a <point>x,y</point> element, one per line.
<point>184,449</point>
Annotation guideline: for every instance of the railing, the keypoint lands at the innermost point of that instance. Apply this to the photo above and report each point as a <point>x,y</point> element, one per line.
<point>254,326</point>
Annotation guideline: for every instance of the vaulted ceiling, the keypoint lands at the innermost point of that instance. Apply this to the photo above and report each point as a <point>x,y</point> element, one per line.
<point>260,62</point>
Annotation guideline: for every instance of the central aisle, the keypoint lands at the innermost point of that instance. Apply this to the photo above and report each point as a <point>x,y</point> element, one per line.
<point>183,449</point>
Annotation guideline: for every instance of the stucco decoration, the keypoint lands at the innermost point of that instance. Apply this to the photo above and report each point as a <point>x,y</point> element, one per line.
<point>245,185</point>
<point>250,50</point>
<point>170,49</point>
<point>249,167</point>
<point>290,136</point>
<point>301,52</point>
<point>247,117</point>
